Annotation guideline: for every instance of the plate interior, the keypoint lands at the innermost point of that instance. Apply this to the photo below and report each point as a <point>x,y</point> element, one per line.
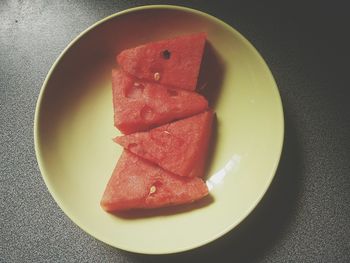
<point>74,131</point>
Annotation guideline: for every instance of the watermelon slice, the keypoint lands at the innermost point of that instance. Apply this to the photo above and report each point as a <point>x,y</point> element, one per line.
<point>174,62</point>
<point>140,105</point>
<point>179,147</point>
<point>136,183</point>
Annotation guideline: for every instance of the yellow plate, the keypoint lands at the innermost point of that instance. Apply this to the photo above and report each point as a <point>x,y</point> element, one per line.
<point>74,129</point>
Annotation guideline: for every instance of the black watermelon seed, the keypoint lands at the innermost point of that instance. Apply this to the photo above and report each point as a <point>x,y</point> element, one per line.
<point>166,54</point>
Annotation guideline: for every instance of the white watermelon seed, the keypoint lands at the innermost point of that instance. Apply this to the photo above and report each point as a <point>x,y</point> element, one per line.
<point>156,76</point>
<point>152,190</point>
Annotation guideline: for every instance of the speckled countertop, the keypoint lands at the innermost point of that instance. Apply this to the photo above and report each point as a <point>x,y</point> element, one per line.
<point>304,217</point>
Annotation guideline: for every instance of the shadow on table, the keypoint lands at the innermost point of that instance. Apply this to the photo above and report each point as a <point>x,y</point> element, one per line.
<point>264,226</point>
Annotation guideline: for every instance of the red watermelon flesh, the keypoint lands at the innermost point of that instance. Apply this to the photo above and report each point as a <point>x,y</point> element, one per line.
<point>179,147</point>
<point>141,105</point>
<point>174,62</point>
<point>137,183</point>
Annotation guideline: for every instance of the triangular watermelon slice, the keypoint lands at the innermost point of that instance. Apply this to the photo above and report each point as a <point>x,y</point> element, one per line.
<point>136,183</point>
<point>141,105</point>
<point>174,62</point>
<point>179,147</point>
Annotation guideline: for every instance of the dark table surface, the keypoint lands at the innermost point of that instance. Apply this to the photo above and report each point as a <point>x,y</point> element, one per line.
<point>305,215</point>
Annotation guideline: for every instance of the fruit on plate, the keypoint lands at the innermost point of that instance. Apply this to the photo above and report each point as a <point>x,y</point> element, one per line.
<point>167,126</point>
<point>137,183</point>
<point>174,62</point>
<point>140,105</point>
<point>179,147</point>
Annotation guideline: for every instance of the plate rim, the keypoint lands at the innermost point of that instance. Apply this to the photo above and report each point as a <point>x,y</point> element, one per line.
<point>37,114</point>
